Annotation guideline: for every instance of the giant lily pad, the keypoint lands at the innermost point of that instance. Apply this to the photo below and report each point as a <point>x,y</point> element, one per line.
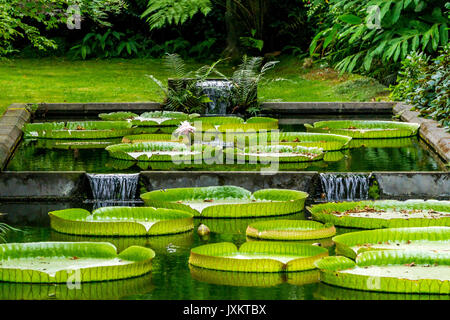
<point>75,144</point>
<point>436,239</point>
<point>382,143</point>
<point>59,262</point>
<point>359,129</point>
<point>117,116</point>
<point>227,201</point>
<point>121,221</point>
<point>78,130</point>
<point>162,118</point>
<point>384,214</point>
<point>234,124</point>
<point>257,257</point>
<point>160,137</point>
<point>162,151</point>
<point>276,153</point>
<point>402,271</point>
<point>176,243</point>
<point>290,230</point>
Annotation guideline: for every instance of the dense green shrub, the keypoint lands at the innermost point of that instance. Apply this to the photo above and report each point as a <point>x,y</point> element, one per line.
<point>374,36</point>
<point>28,19</point>
<point>425,84</point>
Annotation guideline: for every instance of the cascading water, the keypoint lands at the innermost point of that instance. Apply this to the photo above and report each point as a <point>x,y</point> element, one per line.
<point>339,187</point>
<point>219,93</point>
<point>110,189</point>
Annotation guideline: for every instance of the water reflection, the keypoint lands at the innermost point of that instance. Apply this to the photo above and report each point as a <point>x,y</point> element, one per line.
<point>106,290</point>
<point>327,292</point>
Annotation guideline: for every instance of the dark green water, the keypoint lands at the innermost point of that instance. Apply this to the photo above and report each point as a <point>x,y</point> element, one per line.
<point>172,278</point>
<point>408,154</point>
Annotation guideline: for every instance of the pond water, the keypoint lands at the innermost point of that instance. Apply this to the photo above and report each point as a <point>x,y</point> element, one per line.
<point>172,278</point>
<point>406,154</point>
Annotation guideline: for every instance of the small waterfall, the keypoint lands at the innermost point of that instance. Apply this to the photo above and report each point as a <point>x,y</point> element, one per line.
<point>219,92</point>
<point>339,187</point>
<point>110,189</point>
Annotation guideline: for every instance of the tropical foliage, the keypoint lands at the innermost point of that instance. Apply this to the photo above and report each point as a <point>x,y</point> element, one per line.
<point>371,36</point>
<point>22,19</point>
<point>424,84</point>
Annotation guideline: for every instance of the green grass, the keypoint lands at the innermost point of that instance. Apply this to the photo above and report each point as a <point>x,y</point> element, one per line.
<point>120,80</point>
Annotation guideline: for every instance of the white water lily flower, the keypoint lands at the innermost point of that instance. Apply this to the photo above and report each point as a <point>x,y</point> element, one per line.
<point>184,129</point>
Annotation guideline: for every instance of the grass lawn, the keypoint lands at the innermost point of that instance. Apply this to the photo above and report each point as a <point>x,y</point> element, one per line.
<point>121,80</point>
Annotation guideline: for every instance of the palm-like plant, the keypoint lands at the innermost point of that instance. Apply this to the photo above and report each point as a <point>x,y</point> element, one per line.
<point>4,229</point>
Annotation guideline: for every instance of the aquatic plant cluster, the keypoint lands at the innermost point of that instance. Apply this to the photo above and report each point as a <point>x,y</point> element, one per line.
<point>406,250</point>
<point>160,137</point>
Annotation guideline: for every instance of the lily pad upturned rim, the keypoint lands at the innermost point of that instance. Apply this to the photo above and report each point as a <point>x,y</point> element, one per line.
<point>285,201</point>
<point>139,257</point>
<point>290,230</point>
<point>331,267</point>
<point>366,129</point>
<point>324,213</point>
<point>211,256</point>
<point>121,151</point>
<point>75,221</point>
<point>248,155</point>
<point>345,242</point>
<point>88,130</point>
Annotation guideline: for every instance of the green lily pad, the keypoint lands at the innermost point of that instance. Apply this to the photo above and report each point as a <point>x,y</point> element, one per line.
<point>121,221</point>
<point>401,271</point>
<point>59,262</point>
<point>360,129</point>
<point>290,230</point>
<point>383,214</point>
<point>436,239</point>
<point>227,201</point>
<point>259,256</point>
<point>78,130</point>
<point>275,153</point>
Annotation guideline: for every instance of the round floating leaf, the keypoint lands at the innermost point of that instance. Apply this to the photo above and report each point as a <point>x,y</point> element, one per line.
<point>78,130</point>
<point>275,153</point>
<point>401,271</point>
<point>161,244</point>
<point>161,137</point>
<point>227,201</point>
<point>234,124</point>
<point>162,151</point>
<point>426,238</point>
<point>258,256</point>
<point>290,230</point>
<point>383,214</point>
<point>115,116</point>
<point>64,262</point>
<point>382,143</point>
<point>359,129</point>
<point>73,144</point>
<point>121,221</point>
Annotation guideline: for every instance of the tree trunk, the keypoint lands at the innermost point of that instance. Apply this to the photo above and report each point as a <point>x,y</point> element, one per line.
<point>233,49</point>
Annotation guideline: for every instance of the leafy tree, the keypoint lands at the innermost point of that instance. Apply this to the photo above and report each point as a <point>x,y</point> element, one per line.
<point>369,36</point>
<point>25,19</point>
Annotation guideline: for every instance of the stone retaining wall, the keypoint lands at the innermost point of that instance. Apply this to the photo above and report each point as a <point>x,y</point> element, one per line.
<point>430,131</point>
<point>64,186</point>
